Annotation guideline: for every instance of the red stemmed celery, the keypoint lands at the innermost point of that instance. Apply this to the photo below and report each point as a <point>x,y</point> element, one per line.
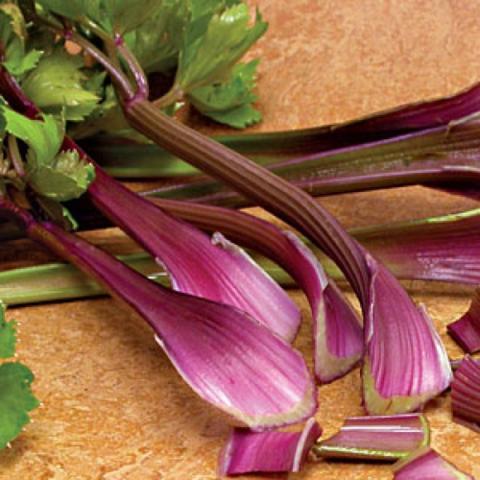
<point>69,166</point>
<point>266,452</point>
<point>389,313</point>
<point>179,247</point>
<point>337,332</point>
<point>427,464</point>
<point>228,358</point>
<point>376,438</point>
<point>466,394</point>
<point>388,386</point>
<point>443,248</point>
<point>466,330</point>
<point>211,268</point>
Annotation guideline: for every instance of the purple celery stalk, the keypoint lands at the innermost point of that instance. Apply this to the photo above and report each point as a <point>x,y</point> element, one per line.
<point>154,230</point>
<point>338,343</point>
<point>423,376</point>
<point>337,333</point>
<point>466,330</point>
<point>426,375</point>
<point>428,368</point>
<point>332,358</point>
<point>427,464</point>
<point>376,438</point>
<point>442,157</point>
<point>266,452</point>
<point>417,115</point>
<point>466,394</point>
<point>210,268</point>
<point>376,127</point>
<point>455,363</point>
<point>227,358</point>
<point>444,248</point>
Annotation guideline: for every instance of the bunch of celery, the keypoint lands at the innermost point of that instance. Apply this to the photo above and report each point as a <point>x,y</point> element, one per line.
<point>109,73</point>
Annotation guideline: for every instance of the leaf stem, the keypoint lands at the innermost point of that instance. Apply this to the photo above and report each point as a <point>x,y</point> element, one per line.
<point>175,94</point>
<point>15,157</point>
<point>118,77</point>
<point>134,66</point>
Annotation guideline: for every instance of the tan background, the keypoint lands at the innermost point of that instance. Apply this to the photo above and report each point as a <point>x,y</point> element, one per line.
<point>113,407</point>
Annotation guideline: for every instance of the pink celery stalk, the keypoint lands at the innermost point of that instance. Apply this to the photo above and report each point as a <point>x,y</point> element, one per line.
<point>384,371</point>
<point>376,438</point>
<point>385,392</point>
<point>445,248</point>
<point>226,357</point>
<point>210,268</point>
<point>252,452</point>
<point>338,335</point>
<point>466,394</point>
<point>466,330</point>
<point>427,464</point>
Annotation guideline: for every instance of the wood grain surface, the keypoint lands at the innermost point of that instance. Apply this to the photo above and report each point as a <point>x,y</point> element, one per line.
<point>113,406</point>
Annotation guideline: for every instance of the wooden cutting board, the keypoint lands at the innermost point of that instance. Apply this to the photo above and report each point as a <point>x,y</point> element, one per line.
<point>113,406</point>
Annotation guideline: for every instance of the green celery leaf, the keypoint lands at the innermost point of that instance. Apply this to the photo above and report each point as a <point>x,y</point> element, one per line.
<point>43,137</point>
<point>127,15</point>
<point>230,102</point>
<point>7,335</point>
<point>74,9</point>
<point>57,175</point>
<point>214,43</point>
<point>16,400</point>
<point>156,43</point>
<point>59,85</point>
<point>12,36</point>
<point>239,117</point>
<point>65,178</point>
<point>115,16</point>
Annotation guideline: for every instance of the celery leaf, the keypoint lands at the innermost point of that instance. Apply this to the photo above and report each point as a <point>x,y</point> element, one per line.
<point>127,15</point>
<point>230,102</point>
<point>56,174</point>
<point>115,16</point>
<point>214,43</point>
<point>66,177</point>
<point>16,400</point>
<point>156,42</point>
<point>44,137</point>
<point>73,9</point>
<point>7,335</point>
<point>16,397</point>
<point>12,37</point>
<point>58,85</point>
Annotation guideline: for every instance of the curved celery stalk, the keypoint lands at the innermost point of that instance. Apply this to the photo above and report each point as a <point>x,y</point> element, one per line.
<point>208,343</point>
